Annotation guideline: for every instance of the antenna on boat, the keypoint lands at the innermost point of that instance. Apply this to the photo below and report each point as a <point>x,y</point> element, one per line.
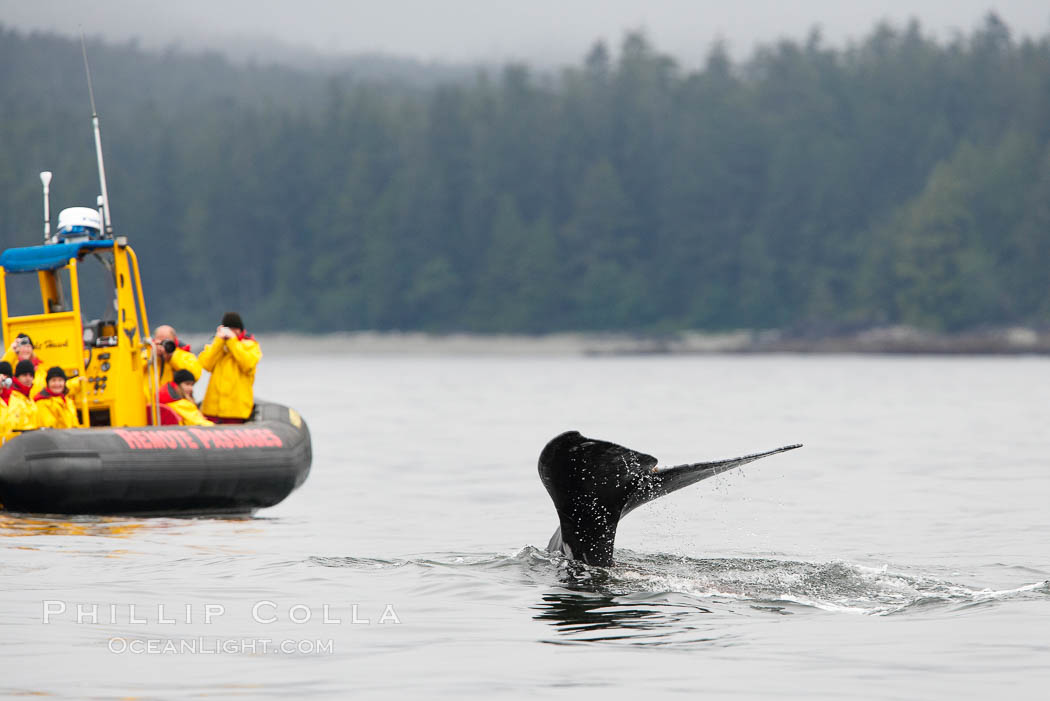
<point>106,219</point>
<point>45,178</point>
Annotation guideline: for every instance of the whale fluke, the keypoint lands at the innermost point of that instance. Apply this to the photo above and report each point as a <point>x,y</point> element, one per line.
<point>595,483</point>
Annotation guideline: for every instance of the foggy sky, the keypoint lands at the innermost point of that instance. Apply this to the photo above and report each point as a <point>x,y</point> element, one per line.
<point>545,32</point>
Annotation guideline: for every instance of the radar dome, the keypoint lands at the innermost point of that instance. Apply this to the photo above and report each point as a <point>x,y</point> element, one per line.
<point>78,223</point>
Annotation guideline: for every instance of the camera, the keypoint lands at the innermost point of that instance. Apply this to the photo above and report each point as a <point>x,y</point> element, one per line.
<point>169,346</point>
<point>5,382</point>
<point>23,342</point>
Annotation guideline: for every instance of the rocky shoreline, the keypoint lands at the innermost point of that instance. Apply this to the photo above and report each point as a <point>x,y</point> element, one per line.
<point>883,340</point>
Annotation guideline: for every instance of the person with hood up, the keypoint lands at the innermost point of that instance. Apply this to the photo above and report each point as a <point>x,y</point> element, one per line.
<point>177,395</point>
<point>231,359</point>
<point>55,408</point>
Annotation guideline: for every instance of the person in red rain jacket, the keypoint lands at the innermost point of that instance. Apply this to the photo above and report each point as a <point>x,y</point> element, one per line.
<point>177,395</point>
<point>5,391</point>
<point>6,374</point>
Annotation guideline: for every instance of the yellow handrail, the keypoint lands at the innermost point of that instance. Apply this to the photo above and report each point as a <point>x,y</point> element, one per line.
<point>138,290</point>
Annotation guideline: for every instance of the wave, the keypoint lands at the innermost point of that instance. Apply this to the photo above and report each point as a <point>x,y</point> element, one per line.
<point>780,586</point>
<point>664,600</point>
<point>786,585</point>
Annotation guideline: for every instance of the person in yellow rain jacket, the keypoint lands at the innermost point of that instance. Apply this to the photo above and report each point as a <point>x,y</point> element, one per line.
<point>177,395</point>
<point>231,359</point>
<point>21,410</point>
<point>171,356</point>
<point>54,407</point>
<point>22,349</point>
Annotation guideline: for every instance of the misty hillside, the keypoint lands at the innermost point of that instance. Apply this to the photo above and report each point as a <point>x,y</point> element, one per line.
<point>901,180</point>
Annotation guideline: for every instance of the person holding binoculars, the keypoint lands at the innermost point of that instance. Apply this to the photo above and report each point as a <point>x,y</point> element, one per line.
<point>231,358</point>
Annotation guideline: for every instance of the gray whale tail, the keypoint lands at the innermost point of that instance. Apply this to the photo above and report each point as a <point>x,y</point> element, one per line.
<point>595,483</point>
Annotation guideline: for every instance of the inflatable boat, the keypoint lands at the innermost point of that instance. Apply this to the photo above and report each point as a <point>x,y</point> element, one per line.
<point>127,453</point>
<point>156,471</point>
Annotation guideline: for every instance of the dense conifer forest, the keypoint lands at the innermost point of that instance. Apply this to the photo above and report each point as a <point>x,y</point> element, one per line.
<point>900,179</point>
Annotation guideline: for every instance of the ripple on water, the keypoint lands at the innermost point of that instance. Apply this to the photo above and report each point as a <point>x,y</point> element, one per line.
<point>656,599</point>
<point>769,584</point>
<point>830,586</point>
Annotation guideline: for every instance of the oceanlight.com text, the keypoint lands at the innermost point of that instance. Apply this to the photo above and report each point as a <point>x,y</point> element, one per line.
<point>219,646</point>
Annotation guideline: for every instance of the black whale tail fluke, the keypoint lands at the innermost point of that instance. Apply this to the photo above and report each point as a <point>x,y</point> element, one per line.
<point>595,483</point>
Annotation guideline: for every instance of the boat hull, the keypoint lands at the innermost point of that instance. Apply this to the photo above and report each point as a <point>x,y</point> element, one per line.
<point>152,471</point>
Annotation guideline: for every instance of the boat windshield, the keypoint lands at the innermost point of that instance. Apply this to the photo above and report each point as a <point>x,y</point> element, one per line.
<point>98,295</point>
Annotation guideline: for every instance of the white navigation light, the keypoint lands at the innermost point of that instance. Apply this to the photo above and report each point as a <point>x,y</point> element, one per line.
<point>79,223</point>
<point>45,179</point>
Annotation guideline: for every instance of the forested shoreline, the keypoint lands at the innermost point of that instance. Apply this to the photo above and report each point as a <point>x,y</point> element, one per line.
<point>901,180</point>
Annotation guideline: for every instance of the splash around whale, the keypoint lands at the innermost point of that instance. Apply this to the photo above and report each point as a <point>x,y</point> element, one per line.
<point>595,483</point>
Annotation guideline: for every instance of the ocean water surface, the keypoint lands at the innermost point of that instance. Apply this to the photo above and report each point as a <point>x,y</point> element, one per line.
<point>904,552</point>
